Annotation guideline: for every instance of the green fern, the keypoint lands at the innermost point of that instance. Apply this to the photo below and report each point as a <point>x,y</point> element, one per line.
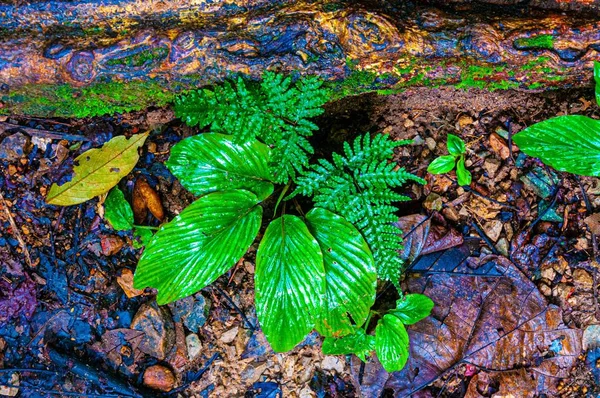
<point>358,186</point>
<point>276,112</point>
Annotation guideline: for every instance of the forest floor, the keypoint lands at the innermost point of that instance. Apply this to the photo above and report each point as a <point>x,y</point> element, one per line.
<point>510,263</point>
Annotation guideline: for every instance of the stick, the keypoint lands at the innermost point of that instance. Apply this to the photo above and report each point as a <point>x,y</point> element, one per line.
<point>16,231</point>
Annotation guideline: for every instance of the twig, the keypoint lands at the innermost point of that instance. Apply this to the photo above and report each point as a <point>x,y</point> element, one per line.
<point>235,307</point>
<point>4,127</point>
<point>16,231</point>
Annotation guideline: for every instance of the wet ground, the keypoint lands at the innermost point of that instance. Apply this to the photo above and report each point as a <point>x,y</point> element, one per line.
<point>509,261</point>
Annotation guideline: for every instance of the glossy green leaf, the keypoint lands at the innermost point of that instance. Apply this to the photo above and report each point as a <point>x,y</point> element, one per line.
<point>597,79</point>
<point>117,210</point>
<point>215,162</point>
<point>199,245</point>
<point>463,175</point>
<point>98,170</point>
<point>442,164</point>
<point>358,343</point>
<point>290,282</point>
<point>350,273</point>
<point>455,145</point>
<point>412,308</point>
<point>567,143</point>
<point>391,343</point>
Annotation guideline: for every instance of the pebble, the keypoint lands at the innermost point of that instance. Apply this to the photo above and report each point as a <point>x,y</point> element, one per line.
<point>229,335</point>
<point>158,330</point>
<point>159,377</point>
<point>194,345</point>
<point>332,363</point>
<point>191,311</point>
<point>430,142</point>
<point>14,147</point>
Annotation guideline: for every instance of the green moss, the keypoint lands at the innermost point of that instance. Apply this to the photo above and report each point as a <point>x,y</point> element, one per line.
<point>95,100</point>
<point>140,58</point>
<point>535,42</point>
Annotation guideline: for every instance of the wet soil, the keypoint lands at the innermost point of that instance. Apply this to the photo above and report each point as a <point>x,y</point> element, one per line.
<point>70,324</point>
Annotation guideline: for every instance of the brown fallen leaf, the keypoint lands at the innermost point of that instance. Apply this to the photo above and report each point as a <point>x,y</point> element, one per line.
<point>497,324</point>
<point>415,229</point>
<point>125,280</point>
<point>146,198</point>
<point>500,147</point>
<point>111,245</point>
<point>593,223</point>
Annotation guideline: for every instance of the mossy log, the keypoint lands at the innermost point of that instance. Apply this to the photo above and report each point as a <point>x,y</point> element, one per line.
<point>84,58</point>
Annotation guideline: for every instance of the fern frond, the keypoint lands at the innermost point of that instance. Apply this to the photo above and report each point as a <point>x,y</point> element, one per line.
<point>276,112</point>
<point>357,186</point>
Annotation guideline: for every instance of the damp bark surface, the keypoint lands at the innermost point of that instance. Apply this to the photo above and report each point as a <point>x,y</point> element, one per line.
<point>83,58</point>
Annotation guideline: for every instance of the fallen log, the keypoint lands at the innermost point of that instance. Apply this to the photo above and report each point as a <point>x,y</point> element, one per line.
<point>83,58</point>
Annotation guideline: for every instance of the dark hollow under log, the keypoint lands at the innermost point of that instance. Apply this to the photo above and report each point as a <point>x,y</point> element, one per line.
<point>83,58</point>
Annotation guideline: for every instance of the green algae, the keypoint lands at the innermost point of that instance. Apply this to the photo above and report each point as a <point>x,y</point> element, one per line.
<point>545,42</point>
<point>140,58</point>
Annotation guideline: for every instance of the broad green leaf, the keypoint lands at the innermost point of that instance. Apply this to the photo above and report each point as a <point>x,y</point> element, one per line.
<point>214,162</point>
<point>455,145</point>
<point>412,308</point>
<point>597,79</point>
<point>199,245</point>
<point>98,170</point>
<point>350,273</point>
<point>358,343</point>
<point>391,343</point>
<point>567,143</point>
<point>290,282</point>
<point>117,210</point>
<point>463,175</point>
<point>442,164</point>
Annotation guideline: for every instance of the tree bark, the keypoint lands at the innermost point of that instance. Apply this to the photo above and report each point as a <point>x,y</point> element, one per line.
<point>84,58</point>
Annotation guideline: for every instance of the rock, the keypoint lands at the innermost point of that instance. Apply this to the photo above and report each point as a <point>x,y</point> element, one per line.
<point>194,345</point>
<point>159,377</point>
<point>548,273</point>
<point>500,147</point>
<point>158,330</point>
<point>545,289</point>
<point>583,278</point>
<point>253,372</point>
<point>332,363</point>
<point>6,391</point>
<point>591,337</point>
<point>464,121</point>
<point>502,246</point>
<point>125,280</point>
<point>433,202</point>
<point>229,335</point>
<point>14,147</point>
<point>491,166</point>
<point>430,142</point>
<point>493,229</point>
<point>191,311</point>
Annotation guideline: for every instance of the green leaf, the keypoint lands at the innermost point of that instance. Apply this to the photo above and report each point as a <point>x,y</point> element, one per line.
<point>215,162</point>
<point>463,175</point>
<point>199,245</point>
<point>391,343</point>
<point>567,143</point>
<point>117,211</point>
<point>412,308</point>
<point>350,273</point>
<point>358,343</point>
<point>290,282</point>
<point>142,236</point>
<point>456,146</point>
<point>442,164</point>
<point>597,79</point>
<point>98,170</point>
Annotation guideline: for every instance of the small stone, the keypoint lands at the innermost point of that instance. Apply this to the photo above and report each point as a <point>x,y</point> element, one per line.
<point>464,121</point>
<point>408,123</point>
<point>451,213</point>
<point>548,273</point>
<point>194,346</point>
<point>125,280</point>
<point>160,378</point>
<point>433,202</point>
<point>583,278</point>
<point>191,311</point>
<point>332,363</point>
<point>158,330</point>
<point>491,166</point>
<point>493,229</point>
<point>545,289</point>
<point>502,246</point>
<point>14,147</point>
<point>500,147</point>
<point>6,391</point>
<point>431,144</point>
<point>229,335</point>
<point>591,337</point>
